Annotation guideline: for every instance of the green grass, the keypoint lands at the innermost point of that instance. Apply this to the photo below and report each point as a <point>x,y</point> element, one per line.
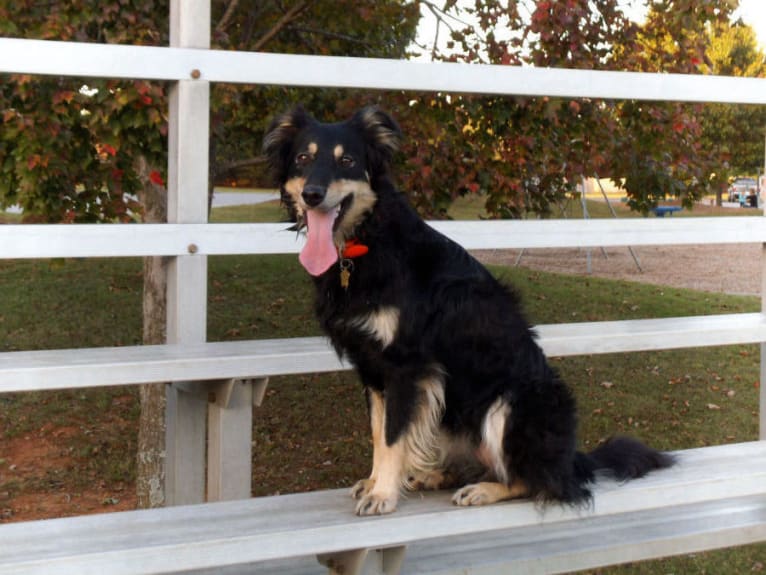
<point>6,218</point>
<point>266,212</point>
<point>472,207</point>
<point>671,399</point>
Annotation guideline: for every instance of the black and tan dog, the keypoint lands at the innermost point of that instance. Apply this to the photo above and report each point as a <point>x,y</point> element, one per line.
<point>458,390</point>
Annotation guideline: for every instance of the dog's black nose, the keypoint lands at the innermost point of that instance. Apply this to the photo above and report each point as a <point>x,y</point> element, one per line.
<point>313,195</point>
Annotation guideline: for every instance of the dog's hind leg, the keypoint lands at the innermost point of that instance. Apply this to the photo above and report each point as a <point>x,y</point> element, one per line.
<point>486,492</point>
<point>494,458</point>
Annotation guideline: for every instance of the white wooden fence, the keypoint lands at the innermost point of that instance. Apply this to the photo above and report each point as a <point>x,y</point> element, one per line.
<point>715,497</point>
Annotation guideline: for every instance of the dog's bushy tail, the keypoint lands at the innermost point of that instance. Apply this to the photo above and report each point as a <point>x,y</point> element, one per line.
<point>623,458</point>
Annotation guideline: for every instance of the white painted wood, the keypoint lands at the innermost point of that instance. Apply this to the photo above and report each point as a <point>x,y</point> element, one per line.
<point>589,544</point>
<point>58,241</point>
<point>651,334</point>
<point>272,528</point>
<point>95,367</point>
<point>499,234</point>
<point>230,424</point>
<point>62,369</point>
<point>260,384</point>
<point>185,446</point>
<point>585,543</point>
<point>189,25</point>
<point>115,61</point>
<point>188,137</point>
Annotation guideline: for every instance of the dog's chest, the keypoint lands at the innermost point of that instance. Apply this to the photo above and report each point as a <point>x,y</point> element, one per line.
<point>379,326</point>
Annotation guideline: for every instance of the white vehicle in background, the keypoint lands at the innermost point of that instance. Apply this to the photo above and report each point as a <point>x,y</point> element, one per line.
<point>744,191</point>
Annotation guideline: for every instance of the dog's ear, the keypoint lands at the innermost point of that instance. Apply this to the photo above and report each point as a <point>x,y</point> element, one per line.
<point>279,137</point>
<point>381,132</point>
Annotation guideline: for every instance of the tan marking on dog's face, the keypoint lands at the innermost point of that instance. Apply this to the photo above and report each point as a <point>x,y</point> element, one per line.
<point>313,148</point>
<point>294,187</point>
<point>364,200</point>
<point>337,152</point>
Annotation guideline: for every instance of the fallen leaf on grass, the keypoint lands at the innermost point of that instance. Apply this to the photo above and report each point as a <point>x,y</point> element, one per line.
<point>713,406</point>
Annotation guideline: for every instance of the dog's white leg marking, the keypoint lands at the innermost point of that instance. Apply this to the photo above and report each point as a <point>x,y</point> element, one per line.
<point>416,451</point>
<point>491,451</point>
<point>424,454</point>
<point>337,151</point>
<point>492,455</point>
<point>486,492</point>
<point>377,421</point>
<point>382,324</point>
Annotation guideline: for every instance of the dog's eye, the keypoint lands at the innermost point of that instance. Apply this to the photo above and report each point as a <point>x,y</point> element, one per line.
<point>346,161</point>
<point>302,159</point>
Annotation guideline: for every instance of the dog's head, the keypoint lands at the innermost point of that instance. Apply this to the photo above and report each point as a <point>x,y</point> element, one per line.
<point>326,174</point>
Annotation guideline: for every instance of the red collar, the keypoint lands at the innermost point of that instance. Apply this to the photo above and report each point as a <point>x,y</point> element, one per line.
<point>353,249</point>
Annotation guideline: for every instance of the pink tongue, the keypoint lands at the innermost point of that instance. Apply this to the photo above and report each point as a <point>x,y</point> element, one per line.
<point>319,253</point>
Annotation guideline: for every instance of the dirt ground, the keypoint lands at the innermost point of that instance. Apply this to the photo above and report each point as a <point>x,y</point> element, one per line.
<point>732,269</point>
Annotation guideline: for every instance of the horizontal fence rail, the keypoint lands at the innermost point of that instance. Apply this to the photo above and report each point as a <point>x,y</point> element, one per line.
<point>97,367</point>
<point>124,240</point>
<point>162,63</point>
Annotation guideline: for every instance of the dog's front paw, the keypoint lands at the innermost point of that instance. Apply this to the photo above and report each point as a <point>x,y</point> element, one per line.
<point>373,504</point>
<point>362,487</point>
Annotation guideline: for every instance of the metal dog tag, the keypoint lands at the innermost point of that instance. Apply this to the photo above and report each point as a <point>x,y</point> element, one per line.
<point>346,266</point>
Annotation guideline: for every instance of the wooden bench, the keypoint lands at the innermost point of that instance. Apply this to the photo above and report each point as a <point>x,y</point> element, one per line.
<point>714,497</point>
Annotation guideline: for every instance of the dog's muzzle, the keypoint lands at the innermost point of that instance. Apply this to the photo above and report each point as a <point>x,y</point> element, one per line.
<point>313,195</point>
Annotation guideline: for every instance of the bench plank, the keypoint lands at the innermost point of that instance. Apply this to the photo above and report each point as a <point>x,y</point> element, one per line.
<point>272,528</point>
<point>93,367</point>
<point>592,543</point>
<point>79,368</point>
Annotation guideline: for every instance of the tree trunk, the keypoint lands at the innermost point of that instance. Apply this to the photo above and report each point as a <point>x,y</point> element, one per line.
<point>150,472</point>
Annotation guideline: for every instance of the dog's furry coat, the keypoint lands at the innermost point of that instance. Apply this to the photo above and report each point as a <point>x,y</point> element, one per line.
<point>458,389</point>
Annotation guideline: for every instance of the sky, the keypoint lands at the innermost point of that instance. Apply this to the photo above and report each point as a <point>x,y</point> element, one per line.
<point>752,12</point>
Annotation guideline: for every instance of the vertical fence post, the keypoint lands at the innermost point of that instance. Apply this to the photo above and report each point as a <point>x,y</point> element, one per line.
<point>188,137</point>
<point>762,381</point>
<point>229,451</point>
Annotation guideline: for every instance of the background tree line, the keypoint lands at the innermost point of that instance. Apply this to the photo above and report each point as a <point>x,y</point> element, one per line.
<point>74,150</point>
